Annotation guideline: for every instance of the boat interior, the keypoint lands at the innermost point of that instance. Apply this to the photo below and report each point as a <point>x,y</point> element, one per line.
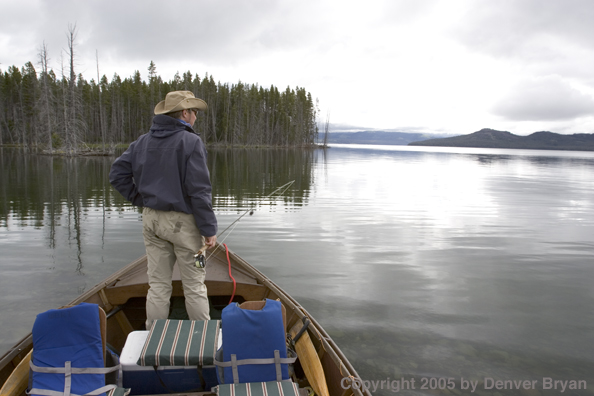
<point>123,296</point>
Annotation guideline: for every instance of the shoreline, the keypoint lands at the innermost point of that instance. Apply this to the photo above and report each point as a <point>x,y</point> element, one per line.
<point>91,152</point>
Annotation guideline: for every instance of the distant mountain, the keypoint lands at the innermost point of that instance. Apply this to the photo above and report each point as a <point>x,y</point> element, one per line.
<point>376,137</point>
<point>490,138</point>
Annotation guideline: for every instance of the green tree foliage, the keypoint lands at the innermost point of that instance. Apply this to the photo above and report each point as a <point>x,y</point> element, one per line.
<point>41,110</point>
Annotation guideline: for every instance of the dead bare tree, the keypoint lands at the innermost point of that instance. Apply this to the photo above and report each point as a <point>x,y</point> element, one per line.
<point>327,129</point>
<point>71,110</point>
<point>74,124</point>
<point>101,120</point>
<point>46,99</point>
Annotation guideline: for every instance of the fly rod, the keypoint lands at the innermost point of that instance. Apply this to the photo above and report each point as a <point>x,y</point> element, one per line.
<point>199,256</point>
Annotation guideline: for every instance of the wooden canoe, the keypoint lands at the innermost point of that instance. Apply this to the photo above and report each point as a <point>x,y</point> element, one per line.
<point>122,296</point>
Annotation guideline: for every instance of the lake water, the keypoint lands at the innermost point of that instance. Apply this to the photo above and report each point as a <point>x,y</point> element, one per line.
<point>421,263</point>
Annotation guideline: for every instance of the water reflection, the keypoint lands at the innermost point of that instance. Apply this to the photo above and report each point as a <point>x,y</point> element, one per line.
<point>241,176</point>
<point>63,228</point>
<point>46,191</point>
<point>70,204</point>
<point>418,262</point>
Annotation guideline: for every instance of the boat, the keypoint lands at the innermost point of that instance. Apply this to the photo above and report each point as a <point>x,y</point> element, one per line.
<point>123,295</point>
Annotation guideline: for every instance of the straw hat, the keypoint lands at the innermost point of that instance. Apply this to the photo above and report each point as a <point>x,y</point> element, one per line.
<point>179,100</point>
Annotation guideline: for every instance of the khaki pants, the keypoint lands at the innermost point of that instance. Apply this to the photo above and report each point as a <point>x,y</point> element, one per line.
<point>171,237</point>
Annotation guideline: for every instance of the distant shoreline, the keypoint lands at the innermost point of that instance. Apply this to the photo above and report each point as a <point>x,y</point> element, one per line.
<point>490,138</point>
<point>377,137</point>
<point>485,138</point>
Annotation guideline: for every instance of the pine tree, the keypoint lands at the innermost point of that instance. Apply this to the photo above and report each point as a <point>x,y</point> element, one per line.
<point>43,110</point>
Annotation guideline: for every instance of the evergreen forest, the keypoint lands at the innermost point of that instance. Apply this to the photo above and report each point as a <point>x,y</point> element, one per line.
<point>64,113</point>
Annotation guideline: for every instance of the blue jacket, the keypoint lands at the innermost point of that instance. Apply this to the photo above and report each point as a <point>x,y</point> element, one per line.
<point>165,169</point>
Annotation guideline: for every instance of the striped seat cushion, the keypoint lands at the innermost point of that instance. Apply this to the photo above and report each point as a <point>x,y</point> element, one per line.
<point>118,392</point>
<point>272,388</point>
<point>181,343</point>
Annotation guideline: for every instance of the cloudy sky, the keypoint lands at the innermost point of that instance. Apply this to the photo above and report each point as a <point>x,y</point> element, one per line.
<point>438,66</point>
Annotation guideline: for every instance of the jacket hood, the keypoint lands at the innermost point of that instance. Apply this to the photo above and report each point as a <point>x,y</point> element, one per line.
<point>164,126</point>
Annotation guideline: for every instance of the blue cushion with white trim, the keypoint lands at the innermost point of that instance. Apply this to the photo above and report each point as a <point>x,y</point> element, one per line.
<point>254,335</point>
<point>68,335</point>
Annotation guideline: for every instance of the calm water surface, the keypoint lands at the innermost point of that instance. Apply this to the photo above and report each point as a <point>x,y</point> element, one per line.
<point>420,262</point>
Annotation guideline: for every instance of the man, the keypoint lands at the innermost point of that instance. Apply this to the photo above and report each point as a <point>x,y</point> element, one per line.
<point>165,172</point>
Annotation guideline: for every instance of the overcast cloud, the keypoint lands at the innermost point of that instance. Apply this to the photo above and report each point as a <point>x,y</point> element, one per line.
<point>548,98</point>
<point>413,65</point>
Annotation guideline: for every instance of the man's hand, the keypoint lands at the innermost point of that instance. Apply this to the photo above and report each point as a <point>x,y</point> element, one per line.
<point>210,241</point>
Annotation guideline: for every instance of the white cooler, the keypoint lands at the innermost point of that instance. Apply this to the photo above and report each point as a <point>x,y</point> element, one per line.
<point>144,380</point>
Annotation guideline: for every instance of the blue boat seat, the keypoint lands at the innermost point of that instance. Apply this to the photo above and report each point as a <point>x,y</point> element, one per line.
<point>254,343</point>
<point>68,353</point>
